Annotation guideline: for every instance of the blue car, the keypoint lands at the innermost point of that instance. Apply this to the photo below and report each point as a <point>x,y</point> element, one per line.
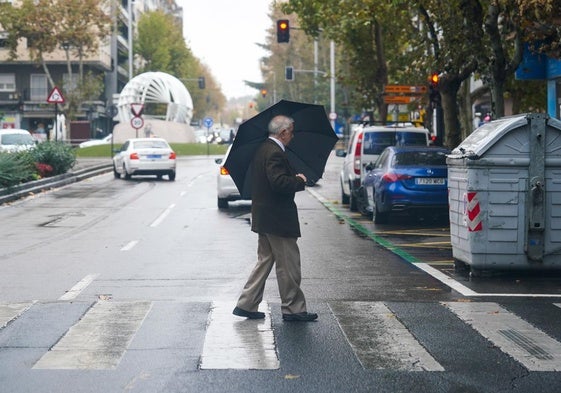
<point>411,179</point>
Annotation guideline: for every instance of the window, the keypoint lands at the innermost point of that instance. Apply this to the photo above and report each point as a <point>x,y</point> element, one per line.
<point>7,82</point>
<point>70,84</point>
<point>38,87</point>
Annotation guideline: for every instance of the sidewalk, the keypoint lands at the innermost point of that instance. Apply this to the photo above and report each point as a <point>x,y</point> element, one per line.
<point>84,168</point>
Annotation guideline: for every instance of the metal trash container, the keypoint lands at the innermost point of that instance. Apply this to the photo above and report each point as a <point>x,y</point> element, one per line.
<point>505,195</point>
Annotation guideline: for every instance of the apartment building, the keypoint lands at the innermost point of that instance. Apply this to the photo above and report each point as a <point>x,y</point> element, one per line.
<point>24,86</point>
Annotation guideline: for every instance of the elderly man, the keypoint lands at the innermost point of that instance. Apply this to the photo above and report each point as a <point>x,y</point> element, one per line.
<point>275,220</point>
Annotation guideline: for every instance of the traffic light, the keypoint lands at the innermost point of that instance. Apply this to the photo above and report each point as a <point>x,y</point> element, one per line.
<point>201,82</point>
<point>434,78</point>
<point>283,30</point>
<point>289,73</point>
<point>263,93</point>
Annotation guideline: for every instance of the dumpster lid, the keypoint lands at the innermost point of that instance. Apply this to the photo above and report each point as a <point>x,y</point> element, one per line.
<point>480,140</point>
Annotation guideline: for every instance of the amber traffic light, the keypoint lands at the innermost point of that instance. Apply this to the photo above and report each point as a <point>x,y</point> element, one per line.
<point>283,30</point>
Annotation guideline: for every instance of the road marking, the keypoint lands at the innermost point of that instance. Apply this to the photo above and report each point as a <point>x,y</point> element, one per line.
<point>233,342</point>
<point>99,340</point>
<point>446,280</point>
<point>379,340</point>
<point>9,312</point>
<point>129,245</point>
<point>525,343</point>
<point>79,287</point>
<point>162,216</point>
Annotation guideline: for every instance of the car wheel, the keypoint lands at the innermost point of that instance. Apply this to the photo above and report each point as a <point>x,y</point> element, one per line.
<point>127,175</point>
<point>115,173</point>
<point>222,203</point>
<point>379,217</point>
<point>171,176</point>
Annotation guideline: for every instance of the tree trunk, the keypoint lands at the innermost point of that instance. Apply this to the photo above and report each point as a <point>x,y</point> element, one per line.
<point>452,132</point>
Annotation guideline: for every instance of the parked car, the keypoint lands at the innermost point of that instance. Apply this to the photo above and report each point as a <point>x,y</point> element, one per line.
<point>226,189</point>
<point>411,179</point>
<point>365,146</point>
<point>145,156</point>
<point>14,139</point>
<point>95,142</point>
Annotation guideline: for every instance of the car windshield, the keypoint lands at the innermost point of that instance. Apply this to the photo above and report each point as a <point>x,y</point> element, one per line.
<point>419,158</point>
<point>150,145</point>
<point>375,142</point>
<point>17,139</point>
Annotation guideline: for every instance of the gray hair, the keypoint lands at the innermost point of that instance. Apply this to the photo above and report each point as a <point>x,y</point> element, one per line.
<point>279,123</point>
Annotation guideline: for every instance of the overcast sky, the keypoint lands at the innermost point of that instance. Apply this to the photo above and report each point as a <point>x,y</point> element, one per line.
<point>223,35</point>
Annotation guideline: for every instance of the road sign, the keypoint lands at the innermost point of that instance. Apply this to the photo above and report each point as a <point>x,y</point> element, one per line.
<point>399,99</point>
<point>208,122</point>
<point>137,122</point>
<point>405,89</point>
<point>136,109</point>
<point>55,97</point>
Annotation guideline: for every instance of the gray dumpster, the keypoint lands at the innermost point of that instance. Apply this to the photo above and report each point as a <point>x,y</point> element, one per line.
<point>505,195</point>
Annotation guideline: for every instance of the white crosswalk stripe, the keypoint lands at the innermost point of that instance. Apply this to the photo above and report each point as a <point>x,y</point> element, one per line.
<point>379,340</point>
<point>525,343</point>
<point>238,343</point>
<point>99,339</point>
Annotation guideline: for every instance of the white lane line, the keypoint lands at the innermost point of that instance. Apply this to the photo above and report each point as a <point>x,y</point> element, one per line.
<point>79,287</point>
<point>233,342</point>
<point>162,216</point>
<point>514,336</point>
<point>379,340</point>
<point>129,245</point>
<point>11,311</point>
<point>446,280</point>
<point>99,340</point>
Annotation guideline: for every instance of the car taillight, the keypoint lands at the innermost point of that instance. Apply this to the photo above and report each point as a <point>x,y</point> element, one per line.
<point>391,177</point>
<point>172,155</point>
<point>134,156</point>
<point>224,171</point>
<point>358,151</point>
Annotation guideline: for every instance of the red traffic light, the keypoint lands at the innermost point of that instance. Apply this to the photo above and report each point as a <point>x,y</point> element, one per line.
<point>283,30</point>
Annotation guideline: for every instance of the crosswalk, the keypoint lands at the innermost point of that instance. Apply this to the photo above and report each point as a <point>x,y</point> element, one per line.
<point>381,335</point>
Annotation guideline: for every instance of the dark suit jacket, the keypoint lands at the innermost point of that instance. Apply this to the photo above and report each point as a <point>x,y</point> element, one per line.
<point>273,185</point>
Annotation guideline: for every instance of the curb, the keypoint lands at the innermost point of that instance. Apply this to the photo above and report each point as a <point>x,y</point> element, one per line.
<point>34,187</point>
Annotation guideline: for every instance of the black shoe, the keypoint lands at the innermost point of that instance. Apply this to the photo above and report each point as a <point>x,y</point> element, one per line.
<point>248,314</point>
<point>300,317</point>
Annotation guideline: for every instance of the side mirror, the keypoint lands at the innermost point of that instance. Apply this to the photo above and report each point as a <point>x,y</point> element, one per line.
<point>369,166</point>
<point>341,153</point>
<point>218,160</point>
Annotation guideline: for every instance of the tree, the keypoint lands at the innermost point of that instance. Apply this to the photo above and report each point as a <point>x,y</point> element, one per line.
<point>47,25</point>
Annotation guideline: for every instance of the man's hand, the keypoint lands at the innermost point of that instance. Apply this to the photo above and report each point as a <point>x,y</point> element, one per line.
<point>302,176</point>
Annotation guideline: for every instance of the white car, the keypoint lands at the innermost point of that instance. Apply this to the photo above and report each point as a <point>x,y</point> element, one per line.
<point>145,156</point>
<point>95,142</point>
<point>226,189</point>
<point>14,139</point>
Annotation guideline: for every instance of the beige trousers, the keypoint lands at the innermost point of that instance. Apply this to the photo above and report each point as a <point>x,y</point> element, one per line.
<point>283,252</point>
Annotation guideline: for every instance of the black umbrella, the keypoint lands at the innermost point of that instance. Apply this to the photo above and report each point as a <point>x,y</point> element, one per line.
<point>308,151</point>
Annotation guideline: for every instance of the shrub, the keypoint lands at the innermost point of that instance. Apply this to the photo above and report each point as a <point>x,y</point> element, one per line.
<point>58,155</point>
<point>16,168</point>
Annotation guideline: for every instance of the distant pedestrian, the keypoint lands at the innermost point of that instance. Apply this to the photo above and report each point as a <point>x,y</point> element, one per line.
<point>274,217</point>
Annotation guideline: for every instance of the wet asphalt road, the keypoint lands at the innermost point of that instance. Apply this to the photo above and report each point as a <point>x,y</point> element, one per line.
<point>140,268</point>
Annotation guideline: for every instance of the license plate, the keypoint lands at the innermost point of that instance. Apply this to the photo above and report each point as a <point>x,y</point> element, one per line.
<point>437,181</point>
<point>153,156</point>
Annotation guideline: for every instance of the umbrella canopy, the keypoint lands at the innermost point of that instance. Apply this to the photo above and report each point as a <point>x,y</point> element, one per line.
<point>308,150</point>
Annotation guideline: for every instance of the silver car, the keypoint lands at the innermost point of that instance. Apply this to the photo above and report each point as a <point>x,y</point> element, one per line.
<point>145,156</point>
<point>226,189</point>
